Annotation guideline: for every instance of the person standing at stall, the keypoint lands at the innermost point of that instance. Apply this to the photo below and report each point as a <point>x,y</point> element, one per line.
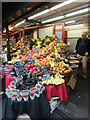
<point>82,51</point>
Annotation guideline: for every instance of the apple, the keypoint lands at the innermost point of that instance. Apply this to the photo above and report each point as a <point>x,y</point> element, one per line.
<point>48,50</point>
<point>26,64</point>
<point>35,72</point>
<point>29,65</point>
<point>32,65</point>
<point>31,70</point>
<point>38,57</point>
<point>26,68</point>
<point>34,68</point>
<point>44,55</point>
<point>38,70</point>
<point>40,54</point>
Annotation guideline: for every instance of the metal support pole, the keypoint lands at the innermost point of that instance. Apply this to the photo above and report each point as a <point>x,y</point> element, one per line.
<point>23,34</point>
<point>8,46</point>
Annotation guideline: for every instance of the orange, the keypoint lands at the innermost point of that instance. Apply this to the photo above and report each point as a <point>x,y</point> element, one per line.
<point>47,63</point>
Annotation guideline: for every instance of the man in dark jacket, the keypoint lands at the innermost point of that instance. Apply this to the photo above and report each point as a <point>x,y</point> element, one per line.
<point>82,50</point>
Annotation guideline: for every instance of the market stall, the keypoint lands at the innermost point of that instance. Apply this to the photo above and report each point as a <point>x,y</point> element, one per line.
<point>31,71</point>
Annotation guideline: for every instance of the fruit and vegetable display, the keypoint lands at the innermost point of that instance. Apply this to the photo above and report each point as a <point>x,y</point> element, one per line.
<point>38,59</point>
<point>38,62</point>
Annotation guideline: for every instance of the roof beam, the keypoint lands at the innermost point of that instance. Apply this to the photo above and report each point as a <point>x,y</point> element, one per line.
<point>18,27</point>
<point>85,19</point>
<point>15,32</point>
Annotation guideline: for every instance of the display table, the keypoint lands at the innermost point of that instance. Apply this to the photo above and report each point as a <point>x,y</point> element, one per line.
<point>59,90</point>
<point>37,108</point>
<point>8,79</point>
<point>50,90</point>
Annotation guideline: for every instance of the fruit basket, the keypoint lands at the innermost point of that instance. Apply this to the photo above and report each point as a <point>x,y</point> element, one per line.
<point>73,62</point>
<point>74,66</point>
<point>73,58</point>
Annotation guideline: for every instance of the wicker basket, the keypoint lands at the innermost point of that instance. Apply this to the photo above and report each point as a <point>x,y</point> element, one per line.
<point>66,74</point>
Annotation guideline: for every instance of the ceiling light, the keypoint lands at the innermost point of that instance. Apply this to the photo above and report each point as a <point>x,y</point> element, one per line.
<point>10,28</point>
<point>53,19</point>
<point>4,31</point>
<point>38,14</point>
<point>77,12</point>
<point>79,25</point>
<point>70,22</point>
<point>62,4</point>
<point>20,23</point>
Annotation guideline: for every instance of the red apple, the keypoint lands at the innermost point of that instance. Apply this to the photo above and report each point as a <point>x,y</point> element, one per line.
<point>31,70</point>
<point>32,65</point>
<point>35,72</point>
<point>48,50</point>
<point>34,68</point>
<point>38,70</point>
<point>26,64</point>
<point>26,68</point>
<point>29,65</point>
<point>44,55</point>
<point>40,59</point>
<point>39,54</point>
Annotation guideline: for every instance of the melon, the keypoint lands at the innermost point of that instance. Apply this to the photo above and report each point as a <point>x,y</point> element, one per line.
<point>54,36</point>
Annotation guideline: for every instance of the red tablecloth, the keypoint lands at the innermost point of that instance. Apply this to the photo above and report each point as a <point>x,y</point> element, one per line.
<point>8,79</point>
<point>59,90</point>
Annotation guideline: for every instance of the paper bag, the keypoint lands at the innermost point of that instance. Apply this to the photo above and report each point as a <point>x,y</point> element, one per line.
<point>72,82</point>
